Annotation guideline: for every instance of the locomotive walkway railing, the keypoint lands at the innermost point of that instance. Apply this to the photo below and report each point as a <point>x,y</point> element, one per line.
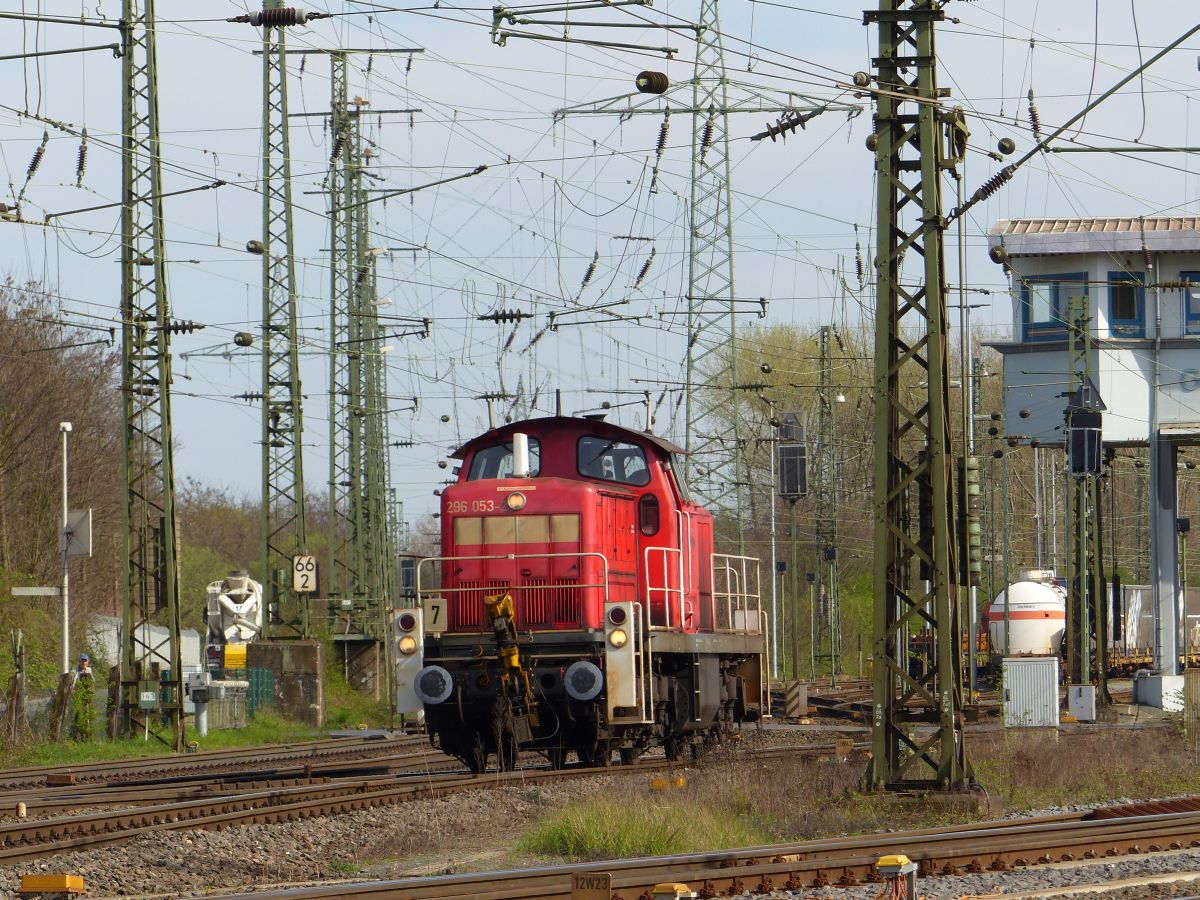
<point>519,583</point>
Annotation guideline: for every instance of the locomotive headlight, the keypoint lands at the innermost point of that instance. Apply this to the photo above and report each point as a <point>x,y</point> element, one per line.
<point>618,638</point>
<point>515,501</point>
<point>408,645</point>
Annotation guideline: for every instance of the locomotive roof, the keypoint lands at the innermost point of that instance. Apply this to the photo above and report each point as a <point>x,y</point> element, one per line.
<point>593,426</point>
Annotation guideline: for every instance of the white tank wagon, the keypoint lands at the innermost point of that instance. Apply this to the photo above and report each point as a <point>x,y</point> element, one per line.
<point>235,609</point>
<point>1037,616</point>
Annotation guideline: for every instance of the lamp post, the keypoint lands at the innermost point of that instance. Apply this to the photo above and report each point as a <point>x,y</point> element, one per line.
<point>65,429</point>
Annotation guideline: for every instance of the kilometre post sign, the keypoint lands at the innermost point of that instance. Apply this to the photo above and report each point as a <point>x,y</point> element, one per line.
<point>304,574</point>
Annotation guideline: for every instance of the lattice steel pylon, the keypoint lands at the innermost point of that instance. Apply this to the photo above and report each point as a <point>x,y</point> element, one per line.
<point>917,719</point>
<point>283,529</point>
<point>346,572</point>
<point>827,629</point>
<point>711,311</point>
<point>149,704</point>
<point>362,551</point>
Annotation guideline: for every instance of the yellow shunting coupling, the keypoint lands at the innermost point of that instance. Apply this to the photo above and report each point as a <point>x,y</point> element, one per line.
<point>659,783</point>
<point>51,887</point>
<point>672,891</point>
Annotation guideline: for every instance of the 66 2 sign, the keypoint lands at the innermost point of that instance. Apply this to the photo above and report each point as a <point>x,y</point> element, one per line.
<point>304,574</point>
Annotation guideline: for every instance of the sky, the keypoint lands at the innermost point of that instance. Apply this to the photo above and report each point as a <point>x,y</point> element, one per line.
<point>558,193</point>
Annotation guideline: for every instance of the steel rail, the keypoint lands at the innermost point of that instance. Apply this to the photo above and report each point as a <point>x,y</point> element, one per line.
<point>33,839</point>
<point>180,786</point>
<point>108,770</point>
<point>988,846</point>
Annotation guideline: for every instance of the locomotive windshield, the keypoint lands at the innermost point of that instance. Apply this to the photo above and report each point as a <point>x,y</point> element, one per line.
<point>497,461</point>
<point>610,460</point>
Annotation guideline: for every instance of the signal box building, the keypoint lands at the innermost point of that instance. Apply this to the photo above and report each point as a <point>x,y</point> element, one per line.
<point>1140,280</point>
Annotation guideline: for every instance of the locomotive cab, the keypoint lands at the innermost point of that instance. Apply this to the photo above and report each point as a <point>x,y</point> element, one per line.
<point>585,609</point>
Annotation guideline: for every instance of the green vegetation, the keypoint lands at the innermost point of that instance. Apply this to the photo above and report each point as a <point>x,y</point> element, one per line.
<point>615,828</point>
<point>265,728</point>
<point>793,799</point>
<point>344,706</point>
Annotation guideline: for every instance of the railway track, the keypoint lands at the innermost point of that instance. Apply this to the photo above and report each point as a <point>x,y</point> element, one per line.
<point>212,761</point>
<point>155,808</point>
<point>988,846</point>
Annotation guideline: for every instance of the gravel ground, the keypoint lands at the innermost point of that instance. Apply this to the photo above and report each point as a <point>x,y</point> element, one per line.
<point>464,832</point>
<point>178,862</point>
<point>1054,878</point>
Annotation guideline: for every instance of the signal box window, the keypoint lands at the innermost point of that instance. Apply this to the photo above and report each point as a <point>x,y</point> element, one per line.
<point>1044,302</point>
<point>1191,302</point>
<point>616,461</point>
<point>1126,304</point>
<point>497,461</point>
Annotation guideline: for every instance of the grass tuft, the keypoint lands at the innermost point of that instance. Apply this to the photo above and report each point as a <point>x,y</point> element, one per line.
<point>615,828</point>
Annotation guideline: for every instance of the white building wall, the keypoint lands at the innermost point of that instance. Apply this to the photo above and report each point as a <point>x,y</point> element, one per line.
<point>1036,374</point>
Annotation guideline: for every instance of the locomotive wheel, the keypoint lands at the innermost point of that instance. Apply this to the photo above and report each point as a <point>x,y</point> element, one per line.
<point>557,757</point>
<point>629,755</point>
<point>673,748</point>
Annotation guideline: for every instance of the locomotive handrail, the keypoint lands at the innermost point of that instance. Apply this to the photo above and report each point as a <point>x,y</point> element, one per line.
<point>666,590</point>
<point>737,581</point>
<point>481,589</point>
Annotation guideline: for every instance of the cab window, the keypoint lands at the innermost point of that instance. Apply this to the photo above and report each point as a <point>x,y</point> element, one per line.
<point>611,460</point>
<point>497,461</point>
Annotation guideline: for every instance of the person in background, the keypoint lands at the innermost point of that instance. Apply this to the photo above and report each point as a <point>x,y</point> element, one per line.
<point>83,697</point>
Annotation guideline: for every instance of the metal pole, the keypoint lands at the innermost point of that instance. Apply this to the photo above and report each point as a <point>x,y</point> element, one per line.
<point>774,578</point>
<point>1007,575</point>
<point>1038,542</point>
<point>65,428</point>
<point>794,567</point>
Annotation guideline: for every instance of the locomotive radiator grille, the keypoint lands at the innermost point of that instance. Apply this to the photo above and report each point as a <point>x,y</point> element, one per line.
<point>542,604</point>
<point>466,604</point>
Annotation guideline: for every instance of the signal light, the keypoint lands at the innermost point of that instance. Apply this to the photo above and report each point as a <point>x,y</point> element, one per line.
<point>407,621</point>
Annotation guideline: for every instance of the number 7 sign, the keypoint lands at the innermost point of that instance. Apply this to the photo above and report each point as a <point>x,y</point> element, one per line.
<point>304,574</point>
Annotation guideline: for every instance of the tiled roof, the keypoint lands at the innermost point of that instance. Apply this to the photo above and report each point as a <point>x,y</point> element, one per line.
<point>1097,226</point>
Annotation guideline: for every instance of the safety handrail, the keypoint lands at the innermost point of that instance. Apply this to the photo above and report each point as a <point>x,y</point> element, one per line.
<point>742,592</point>
<point>665,590</point>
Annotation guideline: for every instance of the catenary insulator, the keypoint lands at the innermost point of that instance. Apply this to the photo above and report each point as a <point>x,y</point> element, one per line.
<point>652,82</point>
<point>993,184</point>
<point>279,18</point>
<point>707,138</point>
<point>38,155</point>
<point>1035,119</point>
<point>645,268</point>
<point>663,130</point>
<point>591,270</point>
<point>81,159</point>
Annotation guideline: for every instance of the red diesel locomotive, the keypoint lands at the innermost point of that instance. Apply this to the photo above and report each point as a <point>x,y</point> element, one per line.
<point>579,605</point>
